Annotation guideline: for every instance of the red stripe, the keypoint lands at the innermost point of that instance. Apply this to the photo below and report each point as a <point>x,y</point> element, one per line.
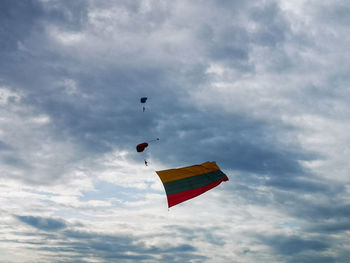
<point>183,196</point>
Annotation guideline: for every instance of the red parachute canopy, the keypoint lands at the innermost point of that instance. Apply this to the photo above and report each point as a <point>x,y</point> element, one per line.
<point>141,147</point>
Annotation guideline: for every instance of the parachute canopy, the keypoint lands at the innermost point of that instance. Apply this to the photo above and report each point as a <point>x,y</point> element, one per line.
<point>188,182</point>
<point>141,147</point>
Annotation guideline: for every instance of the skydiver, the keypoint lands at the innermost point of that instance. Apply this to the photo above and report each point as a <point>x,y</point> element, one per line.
<point>146,163</point>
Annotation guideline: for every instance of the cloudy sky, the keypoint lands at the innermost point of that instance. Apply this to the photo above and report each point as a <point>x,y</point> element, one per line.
<point>260,87</point>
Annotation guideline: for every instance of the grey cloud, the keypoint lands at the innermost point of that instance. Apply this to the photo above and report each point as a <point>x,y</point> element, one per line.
<point>229,45</point>
<point>298,183</point>
<point>232,42</point>
<point>71,15</point>
<point>272,26</point>
<point>294,203</point>
<point>195,233</point>
<point>21,19</point>
<point>15,161</point>
<point>337,14</point>
<point>42,223</point>
<point>331,209</point>
<point>329,226</point>
<point>4,146</point>
<point>232,7</point>
<point>286,193</point>
<point>113,247</point>
<point>17,20</point>
<point>292,245</point>
<point>310,258</point>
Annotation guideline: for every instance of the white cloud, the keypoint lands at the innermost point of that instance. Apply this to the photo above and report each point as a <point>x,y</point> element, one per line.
<point>8,96</point>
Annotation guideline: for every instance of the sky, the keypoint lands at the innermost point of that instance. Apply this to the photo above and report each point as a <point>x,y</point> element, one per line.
<point>260,87</point>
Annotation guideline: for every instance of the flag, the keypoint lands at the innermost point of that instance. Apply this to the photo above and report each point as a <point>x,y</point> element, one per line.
<point>188,182</point>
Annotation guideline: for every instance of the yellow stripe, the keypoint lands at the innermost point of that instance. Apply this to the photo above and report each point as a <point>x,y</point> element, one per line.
<point>185,172</point>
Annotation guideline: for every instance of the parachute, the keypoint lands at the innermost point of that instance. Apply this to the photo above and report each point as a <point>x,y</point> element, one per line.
<point>143,101</point>
<point>141,147</point>
<point>188,182</point>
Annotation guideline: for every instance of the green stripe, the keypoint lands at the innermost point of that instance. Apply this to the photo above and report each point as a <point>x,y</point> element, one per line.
<point>193,182</point>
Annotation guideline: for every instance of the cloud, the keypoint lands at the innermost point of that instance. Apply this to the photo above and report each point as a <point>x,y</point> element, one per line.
<point>329,226</point>
<point>13,30</point>
<point>261,87</point>
<point>46,224</point>
<point>293,245</point>
<point>83,245</point>
<point>4,146</point>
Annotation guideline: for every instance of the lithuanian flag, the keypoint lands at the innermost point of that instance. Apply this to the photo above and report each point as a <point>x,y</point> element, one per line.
<point>185,183</point>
